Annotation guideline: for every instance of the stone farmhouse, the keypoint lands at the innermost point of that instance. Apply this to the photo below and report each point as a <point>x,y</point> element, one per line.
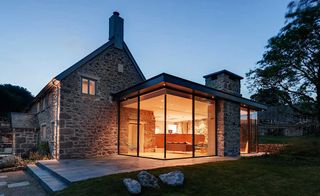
<point>103,105</point>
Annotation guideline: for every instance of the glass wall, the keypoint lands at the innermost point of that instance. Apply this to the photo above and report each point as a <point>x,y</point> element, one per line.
<point>204,120</point>
<point>253,131</point>
<point>179,125</point>
<point>244,131</point>
<point>151,132</point>
<point>128,127</point>
<point>167,125</point>
<point>248,131</point>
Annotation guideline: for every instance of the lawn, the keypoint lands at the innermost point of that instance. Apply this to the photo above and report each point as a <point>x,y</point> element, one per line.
<point>295,171</point>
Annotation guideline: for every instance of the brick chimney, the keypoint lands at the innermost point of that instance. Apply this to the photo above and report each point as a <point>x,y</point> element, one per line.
<point>116,29</point>
<point>224,80</point>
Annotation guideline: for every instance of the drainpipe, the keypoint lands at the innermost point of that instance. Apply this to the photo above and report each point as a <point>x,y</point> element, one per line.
<point>57,118</point>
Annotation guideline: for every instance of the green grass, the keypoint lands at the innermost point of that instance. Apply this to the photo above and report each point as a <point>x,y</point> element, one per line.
<point>295,171</point>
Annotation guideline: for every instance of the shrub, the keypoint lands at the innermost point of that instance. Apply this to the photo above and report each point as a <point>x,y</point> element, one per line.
<point>41,152</point>
<point>43,148</point>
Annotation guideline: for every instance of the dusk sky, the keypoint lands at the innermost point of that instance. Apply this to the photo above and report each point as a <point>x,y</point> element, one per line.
<point>39,39</point>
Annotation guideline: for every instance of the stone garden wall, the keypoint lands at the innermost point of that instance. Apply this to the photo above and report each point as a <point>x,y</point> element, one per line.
<point>24,140</point>
<point>271,148</point>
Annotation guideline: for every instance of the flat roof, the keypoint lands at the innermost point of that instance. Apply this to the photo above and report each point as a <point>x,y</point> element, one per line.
<point>167,80</point>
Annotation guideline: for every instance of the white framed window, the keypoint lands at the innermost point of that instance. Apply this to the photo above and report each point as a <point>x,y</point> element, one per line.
<point>44,103</point>
<point>38,106</point>
<point>88,86</point>
<point>43,132</point>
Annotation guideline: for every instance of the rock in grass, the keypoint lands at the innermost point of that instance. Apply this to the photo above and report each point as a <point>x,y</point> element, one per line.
<point>174,178</point>
<point>132,185</point>
<point>148,180</point>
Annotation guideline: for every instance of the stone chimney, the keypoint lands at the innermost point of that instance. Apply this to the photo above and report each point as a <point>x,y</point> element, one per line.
<point>224,80</point>
<point>116,30</point>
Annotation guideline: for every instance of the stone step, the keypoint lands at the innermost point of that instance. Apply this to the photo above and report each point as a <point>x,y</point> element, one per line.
<point>51,171</point>
<point>49,182</point>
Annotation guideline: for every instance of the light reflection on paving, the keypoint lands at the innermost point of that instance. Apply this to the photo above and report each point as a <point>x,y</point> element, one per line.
<point>3,183</point>
<point>18,184</point>
<point>81,169</point>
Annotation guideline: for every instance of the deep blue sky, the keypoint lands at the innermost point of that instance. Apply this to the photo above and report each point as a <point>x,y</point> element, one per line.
<point>39,39</point>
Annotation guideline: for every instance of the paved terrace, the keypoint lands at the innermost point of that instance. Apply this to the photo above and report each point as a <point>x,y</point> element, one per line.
<point>56,175</point>
<point>81,169</point>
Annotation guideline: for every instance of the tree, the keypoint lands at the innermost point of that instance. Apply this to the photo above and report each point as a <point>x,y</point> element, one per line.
<point>291,62</point>
<point>268,96</point>
<point>13,99</point>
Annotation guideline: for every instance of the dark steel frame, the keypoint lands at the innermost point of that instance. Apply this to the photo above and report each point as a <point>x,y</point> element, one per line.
<point>165,123</point>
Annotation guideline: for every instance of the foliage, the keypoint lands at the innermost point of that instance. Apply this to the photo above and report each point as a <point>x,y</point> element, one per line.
<point>290,67</point>
<point>267,175</point>
<point>13,99</point>
<point>41,152</point>
<point>269,96</point>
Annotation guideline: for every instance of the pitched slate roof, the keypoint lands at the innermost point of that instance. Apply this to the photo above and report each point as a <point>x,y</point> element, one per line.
<point>83,61</point>
<point>93,55</point>
<point>24,120</point>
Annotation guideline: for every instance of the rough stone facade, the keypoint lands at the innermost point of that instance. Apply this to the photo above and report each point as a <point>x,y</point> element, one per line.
<point>228,128</point>
<point>88,123</point>
<point>45,111</point>
<point>24,140</point>
<point>228,114</point>
<point>225,83</point>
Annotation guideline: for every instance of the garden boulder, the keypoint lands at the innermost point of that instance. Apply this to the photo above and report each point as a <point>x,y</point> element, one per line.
<point>174,178</point>
<point>148,180</point>
<point>132,185</point>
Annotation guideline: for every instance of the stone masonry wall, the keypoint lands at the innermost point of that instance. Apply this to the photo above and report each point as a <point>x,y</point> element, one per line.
<point>228,128</point>
<point>24,140</point>
<point>225,83</point>
<point>47,117</point>
<point>129,115</point>
<point>88,123</point>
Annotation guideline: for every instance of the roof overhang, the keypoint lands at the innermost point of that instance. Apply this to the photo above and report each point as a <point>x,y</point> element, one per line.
<point>170,81</point>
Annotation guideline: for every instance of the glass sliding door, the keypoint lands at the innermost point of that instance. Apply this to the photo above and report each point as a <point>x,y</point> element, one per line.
<point>248,131</point>
<point>253,131</point>
<point>128,127</point>
<point>151,127</point>
<point>167,124</point>
<point>205,135</point>
<point>244,131</point>
<point>179,125</point>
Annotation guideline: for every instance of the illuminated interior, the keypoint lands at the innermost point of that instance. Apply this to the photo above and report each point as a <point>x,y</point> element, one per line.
<point>167,124</point>
<point>248,131</point>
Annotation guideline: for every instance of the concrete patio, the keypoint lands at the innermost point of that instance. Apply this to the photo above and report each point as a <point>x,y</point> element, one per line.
<point>56,175</point>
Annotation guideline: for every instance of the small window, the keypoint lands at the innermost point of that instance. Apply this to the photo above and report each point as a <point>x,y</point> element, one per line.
<point>38,107</point>
<point>44,103</point>
<point>43,133</point>
<point>88,86</point>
